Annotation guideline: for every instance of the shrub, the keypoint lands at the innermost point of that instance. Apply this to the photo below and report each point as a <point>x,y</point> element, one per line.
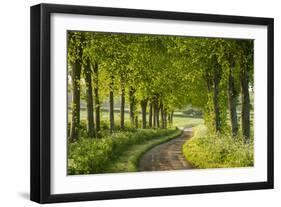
<point>217,151</point>
<point>88,155</point>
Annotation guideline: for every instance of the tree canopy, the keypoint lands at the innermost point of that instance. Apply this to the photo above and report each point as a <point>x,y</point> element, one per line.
<point>160,74</point>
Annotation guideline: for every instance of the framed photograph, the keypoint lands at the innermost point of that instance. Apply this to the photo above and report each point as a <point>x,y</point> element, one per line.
<point>133,103</point>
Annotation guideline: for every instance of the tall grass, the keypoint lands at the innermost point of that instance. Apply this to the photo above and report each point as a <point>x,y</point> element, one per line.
<point>206,150</point>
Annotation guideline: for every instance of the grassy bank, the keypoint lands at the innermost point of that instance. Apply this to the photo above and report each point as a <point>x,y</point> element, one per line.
<point>87,156</point>
<point>206,150</point>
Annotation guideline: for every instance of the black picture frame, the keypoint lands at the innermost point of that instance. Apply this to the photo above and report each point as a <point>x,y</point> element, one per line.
<point>41,96</point>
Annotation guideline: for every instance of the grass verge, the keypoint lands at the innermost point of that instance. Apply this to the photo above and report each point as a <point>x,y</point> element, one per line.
<point>206,150</point>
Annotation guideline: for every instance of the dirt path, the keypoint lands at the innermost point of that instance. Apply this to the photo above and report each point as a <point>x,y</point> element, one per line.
<point>167,156</point>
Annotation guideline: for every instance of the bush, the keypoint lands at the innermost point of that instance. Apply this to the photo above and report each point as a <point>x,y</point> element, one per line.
<point>87,156</point>
<point>217,151</point>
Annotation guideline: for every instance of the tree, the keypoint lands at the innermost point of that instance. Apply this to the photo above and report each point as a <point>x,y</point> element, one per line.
<point>96,95</point>
<point>246,70</point>
<point>89,98</point>
<point>143,110</point>
<point>232,101</point>
<point>122,106</point>
<point>217,77</point>
<point>111,104</point>
<point>75,53</point>
<point>228,55</point>
<point>132,101</point>
<point>96,49</point>
<point>150,115</point>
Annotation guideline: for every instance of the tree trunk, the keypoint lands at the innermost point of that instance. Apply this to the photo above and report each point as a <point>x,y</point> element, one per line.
<point>132,105</point>
<point>216,99</point>
<point>111,107</point>
<point>162,115</point>
<point>75,121</point>
<point>232,101</point>
<point>245,103</point>
<point>157,113</point>
<point>165,118</point>
<point>154,113</point>
<point>150,114</point>
<point>169,119</point>
<point>89,99</point>
<point>143,111</point>
<point>136,121</point>
<point>122,107</point>
<point>157,117</point>
<point>172,118</point>
<point>96,96</point>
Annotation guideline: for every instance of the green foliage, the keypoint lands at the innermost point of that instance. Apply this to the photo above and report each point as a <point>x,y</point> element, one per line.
<point>157,65</point>
<point>88,156</point>
<point>206,150</point>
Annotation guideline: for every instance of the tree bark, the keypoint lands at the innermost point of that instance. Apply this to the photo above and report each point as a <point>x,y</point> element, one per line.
<point>96,96</point>
<point>216,99</point>
<point>150,114</point>
<point>157,117</point>
<point>111,106</point>
<point>154,113</point>
<point>89,99</point>
<point>157,112</point>
<point>143,111</point>
<point>232,101</point>
<point>165,118</point>
<point>75,121</point>
<point>162,115</point>
<point>245,103</point>
<point>136,121</point>
<point>122,107</point>
<point>132,105</point>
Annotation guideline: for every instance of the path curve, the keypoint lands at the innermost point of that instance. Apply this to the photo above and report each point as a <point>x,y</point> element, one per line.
<point>167,156</point>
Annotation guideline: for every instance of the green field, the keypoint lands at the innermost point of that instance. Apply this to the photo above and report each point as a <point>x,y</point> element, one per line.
<point>179,120</point>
